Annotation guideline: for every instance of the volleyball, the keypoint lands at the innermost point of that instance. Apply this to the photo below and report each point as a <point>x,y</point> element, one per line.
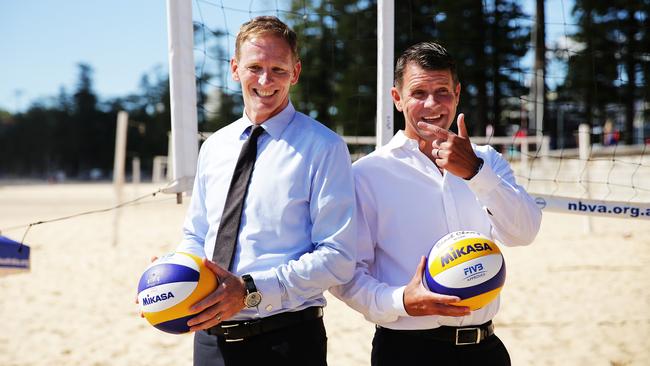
<point>169,286</point>
<point>466,264</point>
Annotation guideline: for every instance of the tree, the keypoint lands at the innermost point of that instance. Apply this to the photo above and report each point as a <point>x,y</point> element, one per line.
<point>87,134</point>
<point>605,75</point>
<point>540,65</point>
<point>338,53</point>
<point>149,118</point>
<point>221,105</point>
<point>487,40</point>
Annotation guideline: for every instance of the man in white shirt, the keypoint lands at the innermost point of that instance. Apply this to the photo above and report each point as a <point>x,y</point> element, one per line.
<point>297,231</point>
<point>425,183</point>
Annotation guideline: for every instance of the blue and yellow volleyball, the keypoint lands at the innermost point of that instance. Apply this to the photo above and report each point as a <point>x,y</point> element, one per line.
<point>169,286</point>
<point>466,264</point>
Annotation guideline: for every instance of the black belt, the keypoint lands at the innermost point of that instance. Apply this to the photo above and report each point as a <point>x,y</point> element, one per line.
<point>235,331</point>
<point>459,336</point>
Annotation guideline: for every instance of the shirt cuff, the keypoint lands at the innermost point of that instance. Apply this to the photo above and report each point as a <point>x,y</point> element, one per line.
<point>268,285</point>
<point>393,300</point>
<point>485,181</point>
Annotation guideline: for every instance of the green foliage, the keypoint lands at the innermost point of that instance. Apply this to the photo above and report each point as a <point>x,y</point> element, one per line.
<point>217,104</point>
<point>606,79</point>
<point>487,39</point>
<point>75,134</point>
<point>608,76</point>
<point>338,52</point>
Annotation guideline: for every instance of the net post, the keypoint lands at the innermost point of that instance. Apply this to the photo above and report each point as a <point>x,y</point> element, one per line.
<point>118,168</point>
<point>385,55</point>
<point>135,174</point>
<point>524,151</point>
<point>135,167</point>
<point>182,85</point>
<point>546,148</point>
<point>169,174</point>
<point>120,153</point>
<point>584,144</point>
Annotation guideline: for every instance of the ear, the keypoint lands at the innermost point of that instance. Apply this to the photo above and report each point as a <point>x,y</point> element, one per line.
<point>233,69</point>
<point>457,92</point>
<point>397,99</point>
<point>297,67</point>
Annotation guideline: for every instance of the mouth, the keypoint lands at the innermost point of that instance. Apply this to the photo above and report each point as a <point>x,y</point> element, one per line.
<point>264,93</point>
<point>432,119</point>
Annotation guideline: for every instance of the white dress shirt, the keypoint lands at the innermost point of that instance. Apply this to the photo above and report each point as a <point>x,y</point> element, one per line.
<point>405,204</point>
<point>298,222</point>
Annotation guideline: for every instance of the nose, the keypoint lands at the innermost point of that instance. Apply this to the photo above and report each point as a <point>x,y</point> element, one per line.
<point>430,101</point>
<point>265,78</point>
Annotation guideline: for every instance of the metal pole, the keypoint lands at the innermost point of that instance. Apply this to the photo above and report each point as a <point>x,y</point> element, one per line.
<point>385,55</point>
<point>120,152</point>
<point>182,86</point>
<point>118,168</point>
<point>584,146</point>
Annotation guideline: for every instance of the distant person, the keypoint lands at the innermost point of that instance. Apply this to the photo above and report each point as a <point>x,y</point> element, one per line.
<point>278,239</point>
<point>610,135</point>
<point>425,183</point>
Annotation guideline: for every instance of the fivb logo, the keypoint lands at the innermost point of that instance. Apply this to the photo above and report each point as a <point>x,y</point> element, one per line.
<point>454,254</point>
<point>474,271</point>
<point>153,279</point>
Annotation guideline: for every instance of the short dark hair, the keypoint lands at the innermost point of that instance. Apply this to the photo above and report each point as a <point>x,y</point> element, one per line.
<point>263,25</point>
<point>427,55</point>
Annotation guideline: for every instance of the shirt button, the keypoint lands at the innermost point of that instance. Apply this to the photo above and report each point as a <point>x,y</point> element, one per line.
<point>269,307</point>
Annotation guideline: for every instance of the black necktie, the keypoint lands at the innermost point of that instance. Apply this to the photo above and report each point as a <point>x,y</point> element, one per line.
<point>224,246</point>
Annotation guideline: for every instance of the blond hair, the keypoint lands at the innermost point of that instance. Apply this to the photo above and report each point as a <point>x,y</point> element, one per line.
<point>264,25</point>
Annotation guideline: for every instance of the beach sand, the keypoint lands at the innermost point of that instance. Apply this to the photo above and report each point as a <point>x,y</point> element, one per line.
<point>570,298</point>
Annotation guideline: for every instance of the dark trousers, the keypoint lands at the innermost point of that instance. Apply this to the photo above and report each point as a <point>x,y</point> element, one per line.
<point>401,348</point>
<point>301,344</point>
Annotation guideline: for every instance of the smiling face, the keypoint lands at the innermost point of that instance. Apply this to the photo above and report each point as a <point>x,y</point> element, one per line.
<point>266,70</point>
<point>429,96</point>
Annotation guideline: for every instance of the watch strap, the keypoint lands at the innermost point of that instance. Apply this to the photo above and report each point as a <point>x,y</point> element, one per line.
<point>249,283</point>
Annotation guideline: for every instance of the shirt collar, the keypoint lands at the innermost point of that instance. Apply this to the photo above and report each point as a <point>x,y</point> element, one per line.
<point>401,140</point>
<point>275,125</point>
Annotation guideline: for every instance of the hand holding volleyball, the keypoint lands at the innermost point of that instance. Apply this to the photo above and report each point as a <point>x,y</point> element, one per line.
<point>466,264</point>
<point>419,301</point>
<point>223,303</point>
<point>170,286</point>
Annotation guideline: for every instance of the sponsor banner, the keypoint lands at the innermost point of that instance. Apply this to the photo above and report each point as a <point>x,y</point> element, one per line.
<point>583,206</point>
<point>14,257</point>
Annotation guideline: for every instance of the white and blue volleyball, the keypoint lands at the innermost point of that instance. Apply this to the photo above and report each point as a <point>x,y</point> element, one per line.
<point>169,286</point>
<point>466,264</point>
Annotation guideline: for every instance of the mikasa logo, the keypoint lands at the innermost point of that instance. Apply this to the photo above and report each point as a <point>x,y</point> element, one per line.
<point>148,300</point>
<point>457,253</point>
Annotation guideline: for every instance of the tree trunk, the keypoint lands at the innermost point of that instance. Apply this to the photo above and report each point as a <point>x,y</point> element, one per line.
<point>481,80</point>
<point>629,97</point>
<point>496,75</point>
<point>540,66</point>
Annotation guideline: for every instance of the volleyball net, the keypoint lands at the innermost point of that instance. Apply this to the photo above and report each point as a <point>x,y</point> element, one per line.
<point>561,93</point>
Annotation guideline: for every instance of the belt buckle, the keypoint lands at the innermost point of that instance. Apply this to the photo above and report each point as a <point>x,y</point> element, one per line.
<point>478,336</point>
<point>225,328</point>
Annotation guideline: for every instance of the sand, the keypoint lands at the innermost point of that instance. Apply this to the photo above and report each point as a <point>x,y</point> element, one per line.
<point>570,298</point>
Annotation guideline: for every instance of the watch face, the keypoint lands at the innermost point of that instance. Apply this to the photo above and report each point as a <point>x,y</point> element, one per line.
<point>253,299</point>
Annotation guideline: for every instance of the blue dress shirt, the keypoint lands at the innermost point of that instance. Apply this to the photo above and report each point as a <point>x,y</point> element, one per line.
<point>298,229</point>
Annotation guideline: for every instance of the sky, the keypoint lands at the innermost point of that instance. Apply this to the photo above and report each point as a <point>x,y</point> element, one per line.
<point>43,41</point>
